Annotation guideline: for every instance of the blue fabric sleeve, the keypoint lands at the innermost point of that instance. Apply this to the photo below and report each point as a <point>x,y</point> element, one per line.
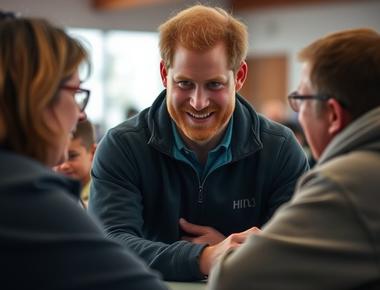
<point>116,200</point>
<point>291,163</point>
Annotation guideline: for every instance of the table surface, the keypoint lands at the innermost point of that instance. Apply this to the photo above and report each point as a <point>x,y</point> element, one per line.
<point>201,285</point>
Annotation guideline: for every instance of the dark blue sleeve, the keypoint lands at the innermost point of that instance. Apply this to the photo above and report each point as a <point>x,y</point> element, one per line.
<point>290,164</point>
<point>49,242</point>
<point>116,200</point>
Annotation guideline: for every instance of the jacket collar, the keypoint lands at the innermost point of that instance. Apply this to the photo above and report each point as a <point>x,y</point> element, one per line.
<point>362,134</point>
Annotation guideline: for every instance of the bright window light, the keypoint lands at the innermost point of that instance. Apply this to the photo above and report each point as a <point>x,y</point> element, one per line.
<point>125,73</point>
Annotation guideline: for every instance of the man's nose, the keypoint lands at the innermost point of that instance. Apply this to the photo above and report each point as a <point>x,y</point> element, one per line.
<point>199,99</point>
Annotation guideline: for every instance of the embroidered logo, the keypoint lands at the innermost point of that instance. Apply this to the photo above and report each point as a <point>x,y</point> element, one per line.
<point>243,203</point>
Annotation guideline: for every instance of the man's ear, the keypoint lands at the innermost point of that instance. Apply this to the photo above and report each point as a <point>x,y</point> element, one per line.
<point>163,73</point>
<point>241,75</point>
<point>338,117</point>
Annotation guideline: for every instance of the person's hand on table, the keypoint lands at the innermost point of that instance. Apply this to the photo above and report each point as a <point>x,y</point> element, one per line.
<point>211,254</point>
<point>200,234</point>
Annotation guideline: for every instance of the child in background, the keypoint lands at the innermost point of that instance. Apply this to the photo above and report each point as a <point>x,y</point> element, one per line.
<point>80,154</point>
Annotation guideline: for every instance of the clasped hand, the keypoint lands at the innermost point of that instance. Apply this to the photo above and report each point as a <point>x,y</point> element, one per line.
<point>200,234</point>
<point>218,244</point>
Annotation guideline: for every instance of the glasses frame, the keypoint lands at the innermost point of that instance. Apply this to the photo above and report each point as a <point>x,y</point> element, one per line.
<point>81,104</point>
<point>294,96</point>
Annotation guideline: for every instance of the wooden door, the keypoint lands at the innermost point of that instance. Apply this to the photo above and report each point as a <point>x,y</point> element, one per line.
<point>266,81</point>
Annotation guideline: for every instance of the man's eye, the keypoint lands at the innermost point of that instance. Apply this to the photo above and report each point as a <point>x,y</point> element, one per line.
<point>214,85</point>
<point>185,84</point>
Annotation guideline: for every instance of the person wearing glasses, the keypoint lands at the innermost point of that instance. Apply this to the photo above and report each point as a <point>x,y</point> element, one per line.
<point>47,239</point>
<point>328,235</point>
<point>194,174</point>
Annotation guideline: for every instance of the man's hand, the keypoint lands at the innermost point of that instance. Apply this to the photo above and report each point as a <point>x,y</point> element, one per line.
<point>200,234</point>
<point>211,254</point>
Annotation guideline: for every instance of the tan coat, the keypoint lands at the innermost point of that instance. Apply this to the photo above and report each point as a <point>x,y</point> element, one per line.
<point>328,235</point>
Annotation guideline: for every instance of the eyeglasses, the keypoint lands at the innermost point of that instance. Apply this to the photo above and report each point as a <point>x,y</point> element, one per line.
<point>295,99</point>
<point>81,96</point>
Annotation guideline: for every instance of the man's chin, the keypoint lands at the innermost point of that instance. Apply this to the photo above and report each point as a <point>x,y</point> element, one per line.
<point>200,139</point>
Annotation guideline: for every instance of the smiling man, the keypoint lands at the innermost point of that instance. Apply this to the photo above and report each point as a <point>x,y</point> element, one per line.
<point>190,177</point>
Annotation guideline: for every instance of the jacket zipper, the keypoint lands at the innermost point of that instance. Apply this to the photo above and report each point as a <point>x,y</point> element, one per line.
<point>200,194</point>
<point>201,184</point>
<point>200,188</point>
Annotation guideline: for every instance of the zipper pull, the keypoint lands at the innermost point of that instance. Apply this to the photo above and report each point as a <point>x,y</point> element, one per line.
<point>200,194</point>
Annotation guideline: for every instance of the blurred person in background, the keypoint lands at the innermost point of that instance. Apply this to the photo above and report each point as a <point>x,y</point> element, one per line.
<point>81,152</point>
<point>47,240</point>
<point>191,176</point>
<point>328,235</point>
<point>131,112</point>
<point>276,110</point>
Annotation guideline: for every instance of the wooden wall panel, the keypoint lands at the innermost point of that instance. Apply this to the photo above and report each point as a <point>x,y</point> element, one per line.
<point>125,4</point>
<point>267,80</point>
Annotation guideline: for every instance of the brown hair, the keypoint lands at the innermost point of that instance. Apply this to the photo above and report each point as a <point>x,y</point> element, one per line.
<point>346,66</point>
<point>35,58</point>
<point>85,131</point>
<point>200,28</point>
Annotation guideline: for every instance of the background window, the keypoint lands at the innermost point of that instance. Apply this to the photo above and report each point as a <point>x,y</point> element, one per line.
<point>125,73</point>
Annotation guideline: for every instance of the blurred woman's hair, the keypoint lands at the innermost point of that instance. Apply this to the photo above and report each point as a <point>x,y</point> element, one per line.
<point>36,58</point>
